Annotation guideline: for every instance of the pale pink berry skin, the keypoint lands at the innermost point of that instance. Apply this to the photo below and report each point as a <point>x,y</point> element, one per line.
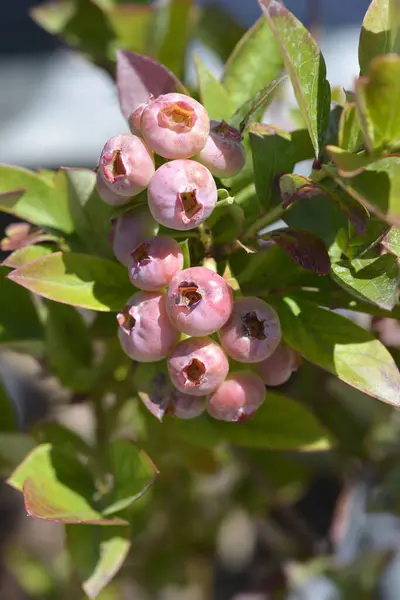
<point>237,398</point>
<point>277,368</point>
<point>199,301</point>
<point>175,126</point>
<point>126,164</point>
<point>182,194</point>
<point>186,407</point>
<point>129,230</point>
<point>154,262</point>
<point>197,366</point>
<point>145,332</point>
<point>107,195</point>
<point>253,331</point>
<point>135,119</point>
<point>223,153</point>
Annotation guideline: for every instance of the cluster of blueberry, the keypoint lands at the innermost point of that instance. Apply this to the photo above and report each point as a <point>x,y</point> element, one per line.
<point>176,309</point>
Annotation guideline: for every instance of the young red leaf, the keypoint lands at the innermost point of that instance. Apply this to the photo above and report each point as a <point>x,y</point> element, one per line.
<point>139,76</point>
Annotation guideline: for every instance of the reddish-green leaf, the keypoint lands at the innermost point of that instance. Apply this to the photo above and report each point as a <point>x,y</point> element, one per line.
<point>57,487</point>
<point>139,76</point>
<point>25,255</point>
<point>133,473</point>
<point>40,203</point>
<point>77,279</point>
<point>303,247</point>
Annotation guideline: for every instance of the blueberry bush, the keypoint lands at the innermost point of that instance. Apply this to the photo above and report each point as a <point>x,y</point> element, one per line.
<point>224,320</point>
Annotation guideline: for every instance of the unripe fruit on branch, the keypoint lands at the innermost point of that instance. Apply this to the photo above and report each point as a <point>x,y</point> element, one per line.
<point>223,153</point>
<point>182,194</point>
<point>126,164</point>
<point>175,126</point>
<point>277,368</point>
<point>197,366</point>
<point>145,332</point>
<point>198,301</point>
<point>108,195</point>
<point>130,229</point>
<point>253,331</point>
<point>135,118</point>
<point>184,406</point>
<point>237,398</point>
<point>154,262</point>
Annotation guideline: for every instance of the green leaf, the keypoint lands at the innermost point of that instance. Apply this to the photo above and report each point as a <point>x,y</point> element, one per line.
<point>305,66</point>
<point>171,32</point>
<point>374,280</point>
<point>313,210</point>
<point>358,245</point>
<point>378,98</point>
<point>220,39</point>
<point>347,163</point>
<point>378,188</point>
<point>132,25</point>
<point>379,33</point>
<point>57,487</point>
<point>8,413</point>
<point>81,24</point>
<point>350,132</point>
<point>267,270</point>
<point>19,320</point>
<point>253,109</point>
<point>275,152</point>
<point>97,553</point>
<point>133,474</point>
<point>341,347</point>
<point>78,279</point>
<point>280,423</point>
<point>68,346</point>
<point>26,255</point>
<point>254,64</point>
<point>212,93</point>
<point>40,203</point>
<point>391,241</point>
<point>90,215</point>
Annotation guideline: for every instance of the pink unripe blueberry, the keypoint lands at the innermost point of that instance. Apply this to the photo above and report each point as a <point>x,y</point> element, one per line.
<point>197,366</point>
<point>126,164</point>
<point>237,398</point>
<point>277,368</point>
<point>145,332</point>
<point>135,118</point>
<point>198,301</point>
<point>154,262</point>
<point>185,406</point>
<point>253,331</point>
<point>182,194</point>
<point>108,195</point>
<point>223,153</point>
<point>175,126</point>
<point>130,229</point>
